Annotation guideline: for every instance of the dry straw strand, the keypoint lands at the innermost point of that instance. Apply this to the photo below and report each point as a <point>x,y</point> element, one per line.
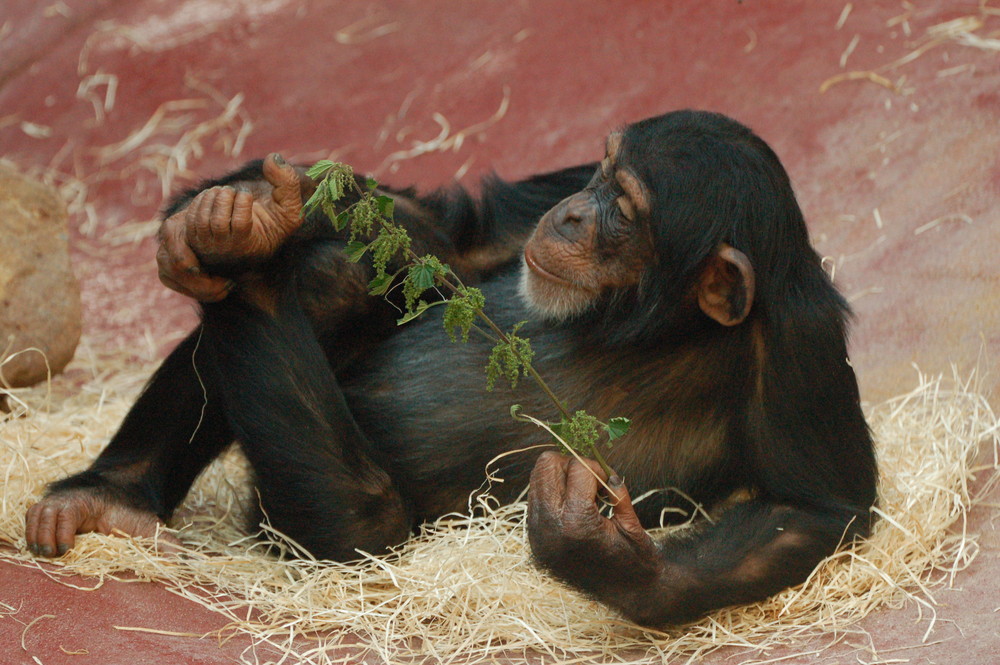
<point>464,589</point>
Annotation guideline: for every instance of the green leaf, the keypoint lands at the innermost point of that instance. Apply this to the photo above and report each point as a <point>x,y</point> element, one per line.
<point>617,428</point>
<point>409,316</point>
<point>340,221</point>
<point>371,184</point>
<point>313,200</point>
<point>380,284</point>
<point>418,311</point>
<point>355,250</point>
<point>319,169</point>
<point>385,205</point>
<point>422,275</point>
<point>326,203</point>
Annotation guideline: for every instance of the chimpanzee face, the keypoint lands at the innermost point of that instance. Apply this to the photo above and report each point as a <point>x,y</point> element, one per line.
<point>595,241</point>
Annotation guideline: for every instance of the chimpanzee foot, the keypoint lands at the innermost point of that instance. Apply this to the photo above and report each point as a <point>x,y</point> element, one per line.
<point>51,524</point>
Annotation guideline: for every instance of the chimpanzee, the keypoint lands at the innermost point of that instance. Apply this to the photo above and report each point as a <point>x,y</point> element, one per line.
<point>672,283</point>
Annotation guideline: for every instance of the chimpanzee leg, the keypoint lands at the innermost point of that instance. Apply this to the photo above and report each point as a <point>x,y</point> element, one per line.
<point>317,474</point>
<point>176,427</point>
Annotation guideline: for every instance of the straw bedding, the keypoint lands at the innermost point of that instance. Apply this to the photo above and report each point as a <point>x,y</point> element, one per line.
<point>465,589</point>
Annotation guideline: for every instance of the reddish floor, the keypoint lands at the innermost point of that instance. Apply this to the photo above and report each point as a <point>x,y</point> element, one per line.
<point>897,172</point>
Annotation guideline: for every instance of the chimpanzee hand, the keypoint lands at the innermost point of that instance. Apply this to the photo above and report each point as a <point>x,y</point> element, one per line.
<point>223,225</point>
<point>570,537</point>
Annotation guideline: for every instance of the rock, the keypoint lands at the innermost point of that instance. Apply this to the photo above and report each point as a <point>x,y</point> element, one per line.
<point>39,296</point>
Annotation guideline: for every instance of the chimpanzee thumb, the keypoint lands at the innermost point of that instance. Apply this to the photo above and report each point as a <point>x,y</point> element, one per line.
<point>624,515</point>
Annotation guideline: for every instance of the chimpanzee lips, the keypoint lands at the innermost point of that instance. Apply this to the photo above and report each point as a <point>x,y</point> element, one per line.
<point>537,268</point>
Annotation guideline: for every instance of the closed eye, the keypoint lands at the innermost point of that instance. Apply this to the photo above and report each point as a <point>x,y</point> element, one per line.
<point>626,207</point>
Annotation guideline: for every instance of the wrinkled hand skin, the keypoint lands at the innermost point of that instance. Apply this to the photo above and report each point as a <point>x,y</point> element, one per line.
<point>224,225</point>
<point>606,557</point>
<point>51,524</point>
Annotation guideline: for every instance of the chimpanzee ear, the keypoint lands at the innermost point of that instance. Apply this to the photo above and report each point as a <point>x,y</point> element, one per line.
<point>726,286</point>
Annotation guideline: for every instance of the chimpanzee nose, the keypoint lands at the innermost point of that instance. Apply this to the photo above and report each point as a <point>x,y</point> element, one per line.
<point>574,217</point>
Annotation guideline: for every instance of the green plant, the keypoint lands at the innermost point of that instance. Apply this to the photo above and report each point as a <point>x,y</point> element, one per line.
<point>373,232</point>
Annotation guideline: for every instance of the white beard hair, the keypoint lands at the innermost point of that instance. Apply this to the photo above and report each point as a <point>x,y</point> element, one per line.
<point>548,301</point>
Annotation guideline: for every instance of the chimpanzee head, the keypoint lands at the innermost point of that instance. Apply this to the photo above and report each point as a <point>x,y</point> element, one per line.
<point>689,220</point>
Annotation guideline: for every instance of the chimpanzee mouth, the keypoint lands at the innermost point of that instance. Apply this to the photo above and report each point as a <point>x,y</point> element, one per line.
<point>537,268</point>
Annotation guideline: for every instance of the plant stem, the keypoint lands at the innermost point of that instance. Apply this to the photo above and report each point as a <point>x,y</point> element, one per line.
<point>599,458</point>
<point>506,340</point>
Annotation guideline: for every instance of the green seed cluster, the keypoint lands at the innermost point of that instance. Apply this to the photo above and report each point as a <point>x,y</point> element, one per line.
<point>461,312</point>
<point>510,358</point>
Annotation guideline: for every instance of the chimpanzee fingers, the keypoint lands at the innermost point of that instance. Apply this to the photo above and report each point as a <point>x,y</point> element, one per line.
<point>287,192</point>
<point>241,223</point>
<point>205,288</point>
<point>174,260</point>
<point>548,481</point>
<point>179,268</point>
<point>282,176</point>
<point>207,217</point>
<point>45,536</point>
<point>175,256</point>
<point>68,522</point>
<point>624,516</point>
<point>171,273</point>
<point>41,529</point>
<point>583,481</point>
<point>31,527</point>
<point>196,226</point>
<point>220,217</point>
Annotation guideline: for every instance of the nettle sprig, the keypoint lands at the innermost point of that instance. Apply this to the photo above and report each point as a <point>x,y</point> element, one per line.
<point>374,233</point>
